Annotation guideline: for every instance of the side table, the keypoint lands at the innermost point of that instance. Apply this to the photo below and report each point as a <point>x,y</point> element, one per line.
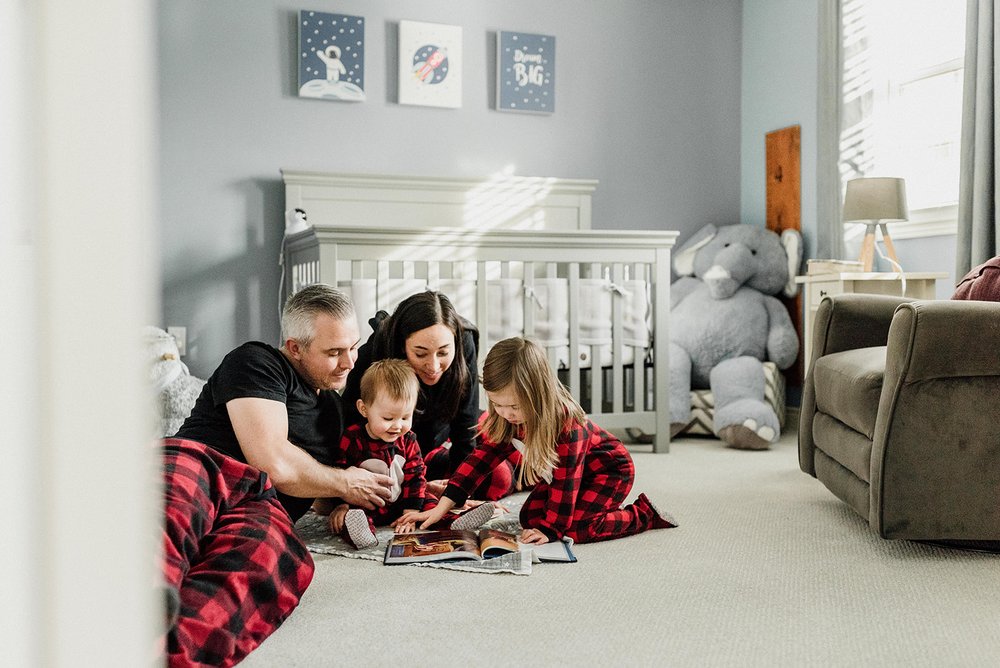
<point>919,285</point>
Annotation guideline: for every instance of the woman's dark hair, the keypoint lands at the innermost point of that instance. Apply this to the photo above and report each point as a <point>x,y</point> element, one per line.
<point>417,312</point>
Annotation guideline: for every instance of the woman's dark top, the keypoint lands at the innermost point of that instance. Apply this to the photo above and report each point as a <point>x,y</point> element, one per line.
<point>432,430</point>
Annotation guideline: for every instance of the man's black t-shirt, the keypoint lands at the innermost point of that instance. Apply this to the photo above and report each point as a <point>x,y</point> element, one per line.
<point>315,420</point>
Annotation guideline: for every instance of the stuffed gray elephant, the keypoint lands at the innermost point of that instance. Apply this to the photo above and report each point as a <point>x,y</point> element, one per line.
<point>725,322</point>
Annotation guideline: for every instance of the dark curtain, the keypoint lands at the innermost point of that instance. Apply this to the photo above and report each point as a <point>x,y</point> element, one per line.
<point>978,226</point>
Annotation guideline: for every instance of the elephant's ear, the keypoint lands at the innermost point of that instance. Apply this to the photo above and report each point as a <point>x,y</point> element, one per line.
<point>684,257</point>
<point>792,241</point>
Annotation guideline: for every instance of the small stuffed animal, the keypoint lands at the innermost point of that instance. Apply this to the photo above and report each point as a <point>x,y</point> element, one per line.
<point>174,387</point>
<point>296,221</point>
<point>725,321</point>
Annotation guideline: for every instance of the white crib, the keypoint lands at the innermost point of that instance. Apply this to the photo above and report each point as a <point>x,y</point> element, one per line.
<point>597,300</point>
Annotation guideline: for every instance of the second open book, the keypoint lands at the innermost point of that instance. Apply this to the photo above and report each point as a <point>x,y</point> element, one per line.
<point>469,545</point>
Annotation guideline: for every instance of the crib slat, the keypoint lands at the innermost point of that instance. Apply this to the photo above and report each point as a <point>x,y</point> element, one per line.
<point>328,260</point>
<point>639,379</point>
<point>573,277</point>
<point>529,299</point>
<point>617,341</point>
<point>643,272</point>
<point>661,355</point>
<point>382,286</point>
<point>482,312</point>
<point>596,381</point>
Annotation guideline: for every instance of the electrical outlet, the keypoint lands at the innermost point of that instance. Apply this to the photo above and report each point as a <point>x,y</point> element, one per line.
<point>180,336</point>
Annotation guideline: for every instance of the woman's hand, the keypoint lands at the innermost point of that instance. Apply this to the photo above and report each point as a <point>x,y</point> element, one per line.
<point>336,519</point>
<point>533,536</point>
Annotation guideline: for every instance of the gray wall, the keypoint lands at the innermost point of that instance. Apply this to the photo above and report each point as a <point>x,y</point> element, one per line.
<point>779,66</point>
<point>647,102</point>
<point>779,88</point>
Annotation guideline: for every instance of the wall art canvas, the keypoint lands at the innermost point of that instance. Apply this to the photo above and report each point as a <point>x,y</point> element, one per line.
<point>526,72</point>
<point>430,64</point>
<point>331,56</point>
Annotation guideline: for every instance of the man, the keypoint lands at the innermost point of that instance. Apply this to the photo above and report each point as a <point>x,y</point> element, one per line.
<point>245,465</point>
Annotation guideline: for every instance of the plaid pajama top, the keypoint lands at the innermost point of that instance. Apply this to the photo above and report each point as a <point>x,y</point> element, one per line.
<point>588,459</point>
<point>356,446</point>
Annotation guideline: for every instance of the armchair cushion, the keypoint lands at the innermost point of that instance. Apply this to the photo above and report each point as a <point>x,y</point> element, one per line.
<point>849,384</point>
<point>845,447</point>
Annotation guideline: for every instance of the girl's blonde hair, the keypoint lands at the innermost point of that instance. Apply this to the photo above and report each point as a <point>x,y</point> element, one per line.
<point>547,406</point>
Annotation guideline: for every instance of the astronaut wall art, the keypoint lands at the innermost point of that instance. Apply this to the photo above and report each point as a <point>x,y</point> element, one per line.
<point>331,56</point>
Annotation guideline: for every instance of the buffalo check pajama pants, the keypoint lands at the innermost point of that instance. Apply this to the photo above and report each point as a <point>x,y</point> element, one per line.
<point>596,514</point>
<point>587,487</point>
<point>231,554</point>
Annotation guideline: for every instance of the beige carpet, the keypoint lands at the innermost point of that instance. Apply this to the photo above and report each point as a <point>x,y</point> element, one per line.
<point>766,569</point>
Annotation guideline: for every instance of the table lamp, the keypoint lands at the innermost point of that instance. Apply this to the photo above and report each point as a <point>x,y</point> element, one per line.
<point>875,202</point>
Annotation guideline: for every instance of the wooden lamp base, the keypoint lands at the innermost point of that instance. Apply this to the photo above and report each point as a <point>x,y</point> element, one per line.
<point>867,257</point>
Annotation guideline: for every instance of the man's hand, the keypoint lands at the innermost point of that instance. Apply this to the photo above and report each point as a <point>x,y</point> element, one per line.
<point>366,489</point>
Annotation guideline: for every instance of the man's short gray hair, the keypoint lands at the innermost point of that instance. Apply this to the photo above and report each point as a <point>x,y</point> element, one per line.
<point>298,318</point>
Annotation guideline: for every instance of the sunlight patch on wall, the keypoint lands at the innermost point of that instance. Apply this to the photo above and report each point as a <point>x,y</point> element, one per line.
<point>507,201</point>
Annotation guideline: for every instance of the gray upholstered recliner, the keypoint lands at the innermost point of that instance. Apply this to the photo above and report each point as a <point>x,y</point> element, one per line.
<point>901,416</point>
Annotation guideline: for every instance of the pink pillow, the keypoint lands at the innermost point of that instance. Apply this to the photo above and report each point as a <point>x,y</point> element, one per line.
<point>981,284</point>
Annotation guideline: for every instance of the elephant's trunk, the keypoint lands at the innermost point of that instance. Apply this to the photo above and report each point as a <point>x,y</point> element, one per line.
<point>733,266</point>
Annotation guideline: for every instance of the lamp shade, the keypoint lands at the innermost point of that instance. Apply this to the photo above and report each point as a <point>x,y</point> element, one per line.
<point>878,198</point>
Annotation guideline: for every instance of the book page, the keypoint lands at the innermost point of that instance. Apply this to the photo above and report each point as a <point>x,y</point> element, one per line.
<point>560,550</point>
<point>432,546</point>
<point>493,543</point>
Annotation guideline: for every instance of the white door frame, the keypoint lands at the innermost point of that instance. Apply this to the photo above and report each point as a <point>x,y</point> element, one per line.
<point>77,279</point>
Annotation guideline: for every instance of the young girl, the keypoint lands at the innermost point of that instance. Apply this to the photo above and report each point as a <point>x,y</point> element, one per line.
<point>581,473</point>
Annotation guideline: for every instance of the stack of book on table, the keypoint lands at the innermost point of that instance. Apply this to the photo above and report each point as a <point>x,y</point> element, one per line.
<point>817,267</point>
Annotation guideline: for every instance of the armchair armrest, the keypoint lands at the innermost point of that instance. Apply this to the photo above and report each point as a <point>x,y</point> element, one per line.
<point>842,322</point>
<point>935,465</point>
<point>847,322</point>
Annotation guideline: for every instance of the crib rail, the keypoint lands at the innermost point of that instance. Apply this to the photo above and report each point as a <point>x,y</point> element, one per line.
<point>598,300</point>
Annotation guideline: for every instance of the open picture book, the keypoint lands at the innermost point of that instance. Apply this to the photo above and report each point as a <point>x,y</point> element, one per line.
<point>454,545</point>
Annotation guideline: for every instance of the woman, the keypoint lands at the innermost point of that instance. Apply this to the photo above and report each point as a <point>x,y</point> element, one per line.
<point>441,346</point>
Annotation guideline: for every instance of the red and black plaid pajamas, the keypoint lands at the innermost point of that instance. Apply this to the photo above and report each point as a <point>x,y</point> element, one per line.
<point>231,554</point>
<point>592,477</point>
<point>499,482</point>
<point>356,446</point>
